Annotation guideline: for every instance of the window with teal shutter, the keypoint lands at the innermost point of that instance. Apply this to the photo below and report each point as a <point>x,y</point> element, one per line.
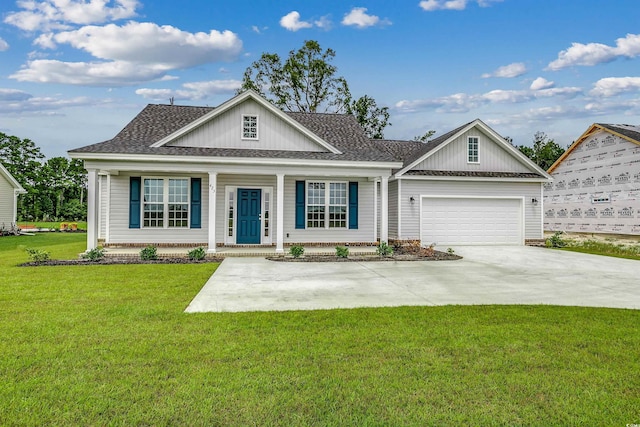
<point>353,205</point>
<point>134,202</point>
<point>300,214</point>
<point>196,203</point>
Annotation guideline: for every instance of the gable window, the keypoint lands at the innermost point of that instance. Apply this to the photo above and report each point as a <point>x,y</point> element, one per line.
<point>165,203</point>
<point>472,149</point>
<point>323,198</point>
<point>249,127</point>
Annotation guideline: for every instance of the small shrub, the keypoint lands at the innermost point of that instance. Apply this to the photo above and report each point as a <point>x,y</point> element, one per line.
<point>95,254</point>
<point>149,253</point>
<point>296,251</point>
<point>556,241</point>
<point>197,254</point>
<point>38,255</point>
<point>342,251</point>
<point>384,249</point>
<point>450,251</point>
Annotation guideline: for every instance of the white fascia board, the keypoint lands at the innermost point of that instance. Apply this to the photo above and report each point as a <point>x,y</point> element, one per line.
<point>236,101</point>
<point>470,178</point>
<point>233,160</point>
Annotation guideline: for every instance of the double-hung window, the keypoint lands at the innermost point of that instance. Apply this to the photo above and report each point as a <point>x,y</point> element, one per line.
<point>472,149</point>
<point>249,126</point>
<point>165,203</point>
<point>327,204</point>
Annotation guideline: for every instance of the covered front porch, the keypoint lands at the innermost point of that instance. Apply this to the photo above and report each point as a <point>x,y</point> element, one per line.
<point>283,207</point>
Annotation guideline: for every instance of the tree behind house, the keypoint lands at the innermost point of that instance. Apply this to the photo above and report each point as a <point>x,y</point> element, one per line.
<point>307,81</point>
<point>544,151</point>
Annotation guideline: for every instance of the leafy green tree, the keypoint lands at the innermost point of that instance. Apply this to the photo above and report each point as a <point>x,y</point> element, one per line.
<point>544,151</point>
<point>425,137</point>
<point>307,81</point>
<point>22,159</point>
<point>372,118</point>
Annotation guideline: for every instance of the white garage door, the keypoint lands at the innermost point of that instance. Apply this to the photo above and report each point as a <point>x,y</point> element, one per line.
<point>471,221</point>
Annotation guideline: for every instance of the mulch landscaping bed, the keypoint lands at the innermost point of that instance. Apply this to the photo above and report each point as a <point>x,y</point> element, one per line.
<point>432,255</point>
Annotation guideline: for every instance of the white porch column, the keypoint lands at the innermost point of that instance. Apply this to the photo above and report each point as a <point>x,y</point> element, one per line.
<point>213,185</point>
<point>280,213</point>
<point>384,209</point>
<point>92,209</point>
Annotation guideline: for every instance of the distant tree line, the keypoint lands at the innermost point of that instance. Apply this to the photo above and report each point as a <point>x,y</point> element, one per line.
<point>544,152</point>
<point>56,188</point>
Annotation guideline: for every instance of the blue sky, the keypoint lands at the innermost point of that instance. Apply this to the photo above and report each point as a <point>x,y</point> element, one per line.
<point>74,72</point>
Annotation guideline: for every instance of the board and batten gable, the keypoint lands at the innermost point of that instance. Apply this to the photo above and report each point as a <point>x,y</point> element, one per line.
<point>225,131</point>
<point>491,156</point>
<point>410,211</point>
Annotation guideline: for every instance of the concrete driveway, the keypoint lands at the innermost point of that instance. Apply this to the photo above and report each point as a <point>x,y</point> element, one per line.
<point>486,275</point>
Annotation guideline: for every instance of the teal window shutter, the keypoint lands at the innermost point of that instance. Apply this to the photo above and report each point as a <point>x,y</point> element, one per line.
<point>300,204</point>
<point>134,201</point>
<point>353,205</point>
<point>196,203</point>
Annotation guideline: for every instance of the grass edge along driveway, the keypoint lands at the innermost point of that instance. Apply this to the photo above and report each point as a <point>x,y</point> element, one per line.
<point>100,345</point>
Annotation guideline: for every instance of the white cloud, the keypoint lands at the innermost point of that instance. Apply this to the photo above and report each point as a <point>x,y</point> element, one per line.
<point>611,86</point>
<point>149,43</point>
<point>324,22</point>
<point>19,102</point>
<point>13,95</point>
<point>3,45</point>
<point>105,74</point>
<point>462,102</point>
<point>508,71</point>
<point>192,91</point>
<point>291,21</point>
<point>358,17</point>
<point>59,14</point>
<point>432,5</point>
<point>596,53</point>
<point>133,53</point>
<point>541,83</point>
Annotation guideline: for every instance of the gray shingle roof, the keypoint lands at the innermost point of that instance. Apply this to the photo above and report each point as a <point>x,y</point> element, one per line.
<point>477,174</point>
<point>155,122</point>
<point>629,131</point>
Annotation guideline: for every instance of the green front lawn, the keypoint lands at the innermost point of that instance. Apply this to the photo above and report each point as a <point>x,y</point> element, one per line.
<point>98,345</point>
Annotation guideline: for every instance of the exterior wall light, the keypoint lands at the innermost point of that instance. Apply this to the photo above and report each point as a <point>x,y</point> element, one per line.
<point>534,201</point>
<point>412,200</point>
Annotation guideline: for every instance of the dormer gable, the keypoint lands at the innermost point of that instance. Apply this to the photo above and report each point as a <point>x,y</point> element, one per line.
<point>247,122</point>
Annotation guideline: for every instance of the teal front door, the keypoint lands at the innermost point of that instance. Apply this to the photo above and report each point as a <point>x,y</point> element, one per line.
<point>249,209</point>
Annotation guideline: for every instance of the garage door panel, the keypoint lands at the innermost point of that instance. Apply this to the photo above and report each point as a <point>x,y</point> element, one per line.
<point>471,221</point>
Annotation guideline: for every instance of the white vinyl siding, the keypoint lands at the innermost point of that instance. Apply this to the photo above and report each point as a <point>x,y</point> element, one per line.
<point>6,202</point>
<point>454,156</point>
<point>225,131</point>
<point>410,227</point>
<point>119,218</point>
<point>364,232</point>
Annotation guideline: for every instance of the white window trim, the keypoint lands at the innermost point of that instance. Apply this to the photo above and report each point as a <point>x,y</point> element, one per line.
<point>231,240</point>
<point>244,138</point>
<point>478,149</point>
<point>327,203</point>
<point>165,203</point>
